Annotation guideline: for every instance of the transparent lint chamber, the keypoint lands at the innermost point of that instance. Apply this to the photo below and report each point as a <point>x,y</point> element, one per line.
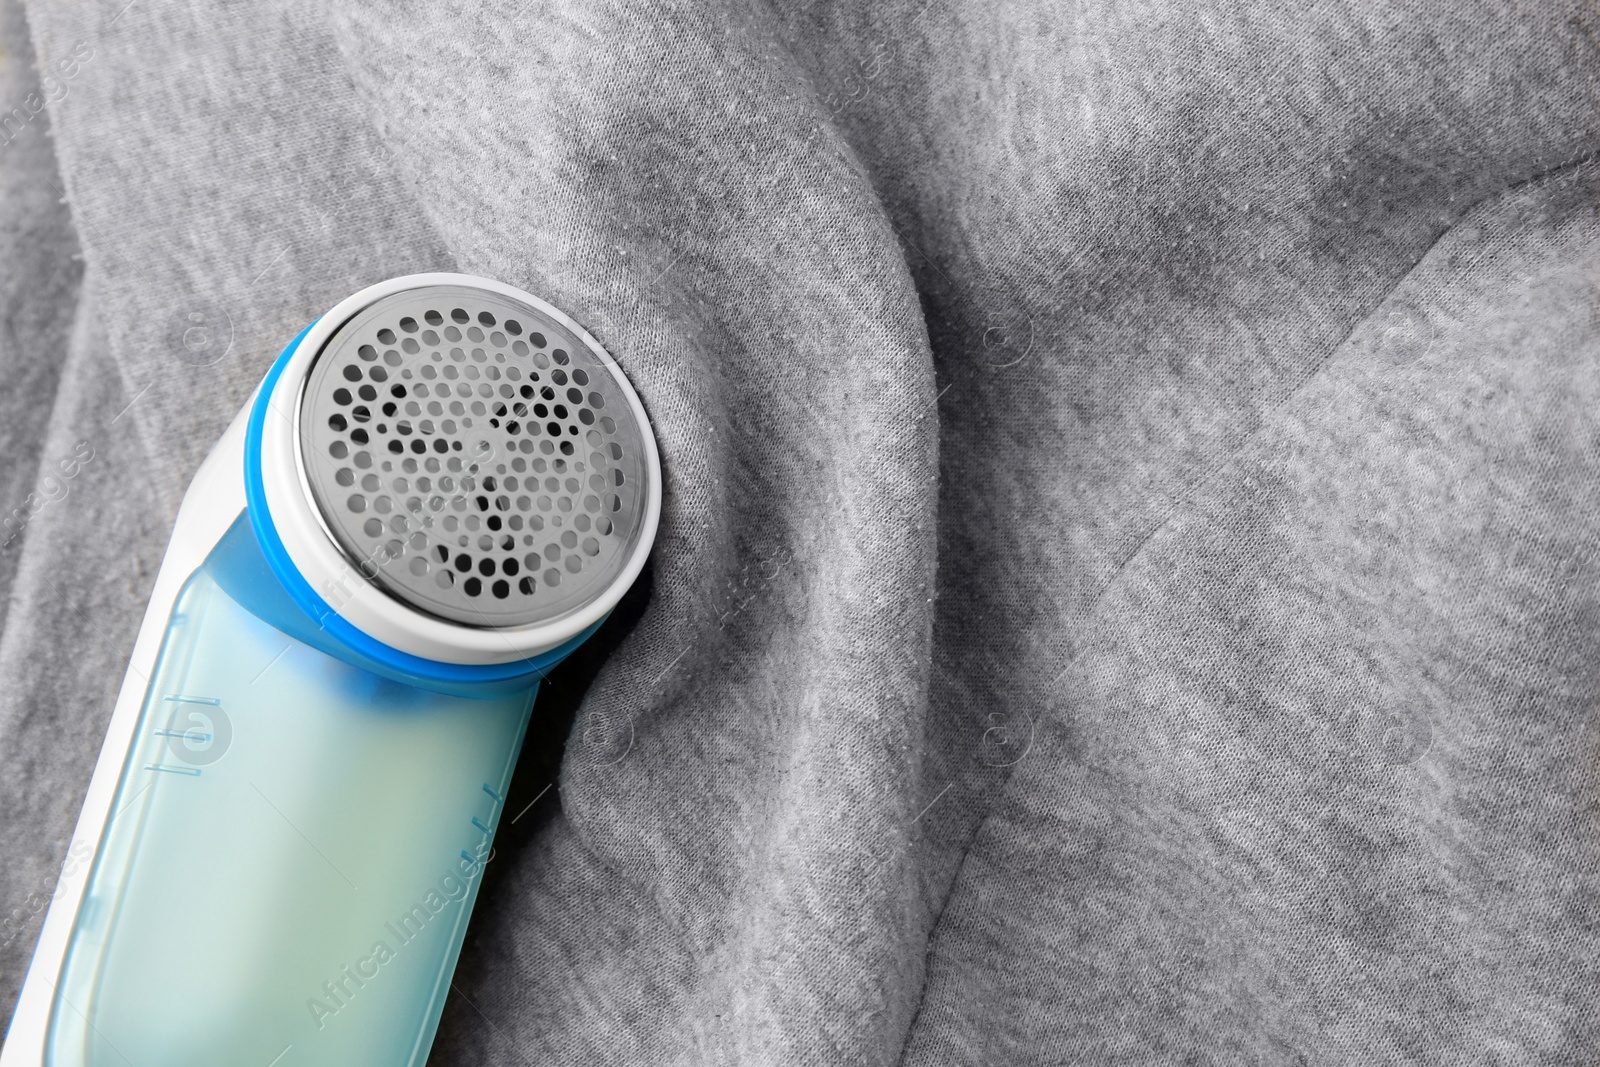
<point>292,855</point>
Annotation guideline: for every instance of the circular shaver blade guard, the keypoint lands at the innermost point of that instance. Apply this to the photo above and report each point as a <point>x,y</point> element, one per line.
<point>472,457</point>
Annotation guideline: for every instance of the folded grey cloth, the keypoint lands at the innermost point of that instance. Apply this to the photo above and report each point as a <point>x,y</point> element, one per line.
<point>1129,582</point>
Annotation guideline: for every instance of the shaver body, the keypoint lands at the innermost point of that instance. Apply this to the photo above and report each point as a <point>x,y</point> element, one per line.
<point>290,818</point>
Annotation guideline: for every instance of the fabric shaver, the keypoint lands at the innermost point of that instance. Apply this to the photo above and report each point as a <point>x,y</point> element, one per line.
<point>441,488</point>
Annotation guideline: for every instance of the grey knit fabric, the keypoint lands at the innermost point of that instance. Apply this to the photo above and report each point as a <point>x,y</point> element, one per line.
<point>1129,580</point>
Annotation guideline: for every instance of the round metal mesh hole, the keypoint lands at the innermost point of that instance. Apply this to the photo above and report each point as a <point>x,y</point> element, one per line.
<point>472,457</point>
